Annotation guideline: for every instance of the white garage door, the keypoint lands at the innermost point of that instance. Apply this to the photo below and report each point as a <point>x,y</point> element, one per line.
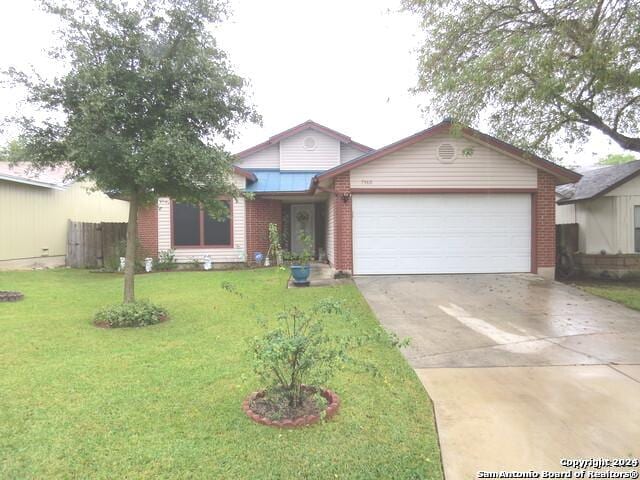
<point>441,233</point>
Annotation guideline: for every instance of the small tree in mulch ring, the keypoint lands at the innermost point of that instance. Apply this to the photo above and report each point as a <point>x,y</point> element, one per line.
<point>296,356</point>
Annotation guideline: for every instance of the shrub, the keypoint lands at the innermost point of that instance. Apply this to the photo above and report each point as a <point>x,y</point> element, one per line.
<point>166,260</point>
<point>137,314</point>
<point>297,351</point>
<point>111,262</point>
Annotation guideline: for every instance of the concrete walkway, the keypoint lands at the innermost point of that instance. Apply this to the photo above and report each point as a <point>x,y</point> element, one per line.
<point>321,275</point>
<point>522,372</point>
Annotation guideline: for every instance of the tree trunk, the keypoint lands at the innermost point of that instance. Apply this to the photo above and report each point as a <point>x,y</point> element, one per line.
<point>130,256</point>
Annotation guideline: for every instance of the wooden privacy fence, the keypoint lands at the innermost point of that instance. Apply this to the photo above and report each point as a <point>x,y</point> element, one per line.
<point>94,245</point>
<point>566,248</point>
<point>567,238</point>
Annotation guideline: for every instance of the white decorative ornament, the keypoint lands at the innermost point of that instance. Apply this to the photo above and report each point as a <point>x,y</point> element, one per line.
<point>208,263</point>
<point>148,264</point>
<point>122,262</point>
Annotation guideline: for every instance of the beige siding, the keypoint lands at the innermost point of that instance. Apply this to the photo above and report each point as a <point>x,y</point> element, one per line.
<point>607,223</point>
<point>417,166</point>
<point>627,197</point>
<point>630,188</point>
<point>565,213</point>
<point>294,156</point>
<point>331,225</point>
<point>34,219</point>
<point>267,158</point>
<point>625,223</point>
<point>597,220</point>
<point>233,254</point>
<point>348,153</point>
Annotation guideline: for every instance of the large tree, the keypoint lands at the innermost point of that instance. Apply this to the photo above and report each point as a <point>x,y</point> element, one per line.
<point>145,101</point>
<point>539,71</point>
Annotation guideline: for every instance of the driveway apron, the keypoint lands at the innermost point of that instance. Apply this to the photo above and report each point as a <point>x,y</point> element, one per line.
<point>523,372</point>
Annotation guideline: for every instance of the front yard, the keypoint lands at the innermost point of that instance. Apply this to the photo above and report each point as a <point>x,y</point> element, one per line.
<point>164,401</point>
<point>626,293</point>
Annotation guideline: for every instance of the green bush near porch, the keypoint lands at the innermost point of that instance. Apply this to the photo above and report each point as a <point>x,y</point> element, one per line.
<point>164,401</point>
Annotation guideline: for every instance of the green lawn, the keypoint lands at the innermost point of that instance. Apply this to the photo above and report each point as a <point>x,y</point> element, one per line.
<point>625,293</point>
<point>164,401</point>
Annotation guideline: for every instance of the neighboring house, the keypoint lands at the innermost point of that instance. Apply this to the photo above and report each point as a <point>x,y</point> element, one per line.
<point>34,212</point>
<point>433,202</point>
<point>605,204</point>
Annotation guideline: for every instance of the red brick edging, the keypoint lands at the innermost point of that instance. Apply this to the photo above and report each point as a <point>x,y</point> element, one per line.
<point>332,409</point>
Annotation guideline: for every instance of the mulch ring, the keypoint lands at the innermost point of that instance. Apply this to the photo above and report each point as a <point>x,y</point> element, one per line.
<point>10,296</point>
<point>163,319</point>
<point>308,413</point>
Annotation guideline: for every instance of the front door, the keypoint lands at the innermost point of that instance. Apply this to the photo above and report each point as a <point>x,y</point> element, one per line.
<point>302,220</point>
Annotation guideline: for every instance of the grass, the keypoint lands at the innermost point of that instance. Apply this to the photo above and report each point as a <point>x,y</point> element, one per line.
<point>626,293</point>
<point>164,401</point>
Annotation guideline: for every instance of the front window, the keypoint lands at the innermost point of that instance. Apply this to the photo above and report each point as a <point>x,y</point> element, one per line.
<point>193,227</point>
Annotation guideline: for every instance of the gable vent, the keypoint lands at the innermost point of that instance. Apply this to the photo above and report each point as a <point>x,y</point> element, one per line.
<point>446,153</point>
<point>309,143</point>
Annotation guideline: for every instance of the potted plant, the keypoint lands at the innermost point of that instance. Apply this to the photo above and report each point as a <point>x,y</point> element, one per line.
<point>300,269</point>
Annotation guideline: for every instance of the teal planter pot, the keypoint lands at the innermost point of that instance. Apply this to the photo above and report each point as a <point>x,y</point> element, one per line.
<point>300,274</point>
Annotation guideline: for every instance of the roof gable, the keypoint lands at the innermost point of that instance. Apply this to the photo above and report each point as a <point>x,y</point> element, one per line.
<point>564,175</point>
<point>309,124</point>
<point>418,166</point>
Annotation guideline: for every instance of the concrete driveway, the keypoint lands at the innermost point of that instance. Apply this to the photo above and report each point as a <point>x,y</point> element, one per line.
<point>522,372</point>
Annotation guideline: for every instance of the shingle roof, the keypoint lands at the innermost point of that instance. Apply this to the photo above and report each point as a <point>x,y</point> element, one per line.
<point>274,181</point>
<point>24,173</point>
<point>598,182</point>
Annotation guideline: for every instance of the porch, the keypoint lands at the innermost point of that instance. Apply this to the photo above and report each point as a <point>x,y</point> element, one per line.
<point>323,275</point>
<point>294,214</point>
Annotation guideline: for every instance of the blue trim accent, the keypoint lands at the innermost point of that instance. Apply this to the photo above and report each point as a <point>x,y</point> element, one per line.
<point>274,181</point>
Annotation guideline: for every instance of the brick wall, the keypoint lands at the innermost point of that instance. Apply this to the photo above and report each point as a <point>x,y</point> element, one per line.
<point>148,229</point>
<point>343,248</point>
<point>608,266</point>
<point>260,213</point>
<point>545,222</point>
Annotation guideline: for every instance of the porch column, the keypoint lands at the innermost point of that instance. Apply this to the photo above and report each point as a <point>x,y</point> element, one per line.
<point>545,225</point>
<point>343,227</point>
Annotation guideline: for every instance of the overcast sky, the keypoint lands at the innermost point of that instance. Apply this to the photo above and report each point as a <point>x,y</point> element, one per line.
<point>348,64</point>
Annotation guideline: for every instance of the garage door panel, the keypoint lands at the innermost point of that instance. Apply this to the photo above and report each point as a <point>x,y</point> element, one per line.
<point>435,233</point>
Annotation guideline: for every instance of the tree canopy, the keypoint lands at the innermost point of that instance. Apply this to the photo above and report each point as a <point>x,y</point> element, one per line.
<point>143,106</point>
<point>617,159</point>
<point>539,71</point>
